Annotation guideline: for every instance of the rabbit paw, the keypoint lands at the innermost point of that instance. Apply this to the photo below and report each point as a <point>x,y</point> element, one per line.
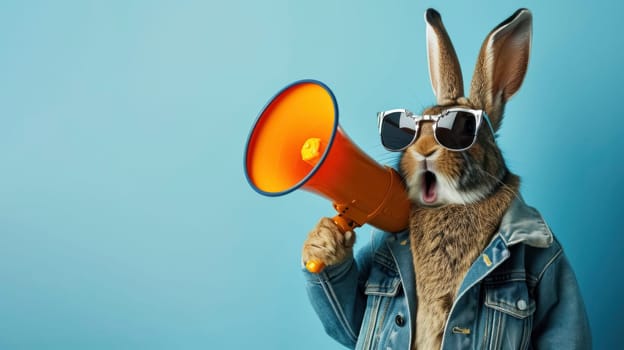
<point>326,244</point>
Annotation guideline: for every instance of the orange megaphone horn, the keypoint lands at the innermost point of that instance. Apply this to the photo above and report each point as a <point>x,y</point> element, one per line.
<point>296,142</point>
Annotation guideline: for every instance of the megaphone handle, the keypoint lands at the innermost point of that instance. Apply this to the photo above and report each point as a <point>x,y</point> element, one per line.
<point>344,225</point>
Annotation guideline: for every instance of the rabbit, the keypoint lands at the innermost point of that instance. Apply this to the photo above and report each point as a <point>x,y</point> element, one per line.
<point>458,197</point>
<point>473,187</point>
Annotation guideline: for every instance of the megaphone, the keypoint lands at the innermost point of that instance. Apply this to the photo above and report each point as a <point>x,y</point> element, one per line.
<point>296,142</point>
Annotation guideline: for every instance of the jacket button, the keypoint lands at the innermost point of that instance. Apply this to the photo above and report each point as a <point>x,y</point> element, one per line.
<point>399,320</point>
<point>522,305</point>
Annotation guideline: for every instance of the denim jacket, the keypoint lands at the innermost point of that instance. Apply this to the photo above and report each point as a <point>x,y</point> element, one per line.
<point>520,293</point>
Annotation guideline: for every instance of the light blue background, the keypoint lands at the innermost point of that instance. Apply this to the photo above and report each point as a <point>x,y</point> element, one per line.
<point>126,221</point>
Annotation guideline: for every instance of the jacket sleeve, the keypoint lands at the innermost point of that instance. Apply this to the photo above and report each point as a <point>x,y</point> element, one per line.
<point>337,295</point>
<point>560,320</point>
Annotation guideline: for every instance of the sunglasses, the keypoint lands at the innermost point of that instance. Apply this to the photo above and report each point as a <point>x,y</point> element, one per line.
<point>454,129</point>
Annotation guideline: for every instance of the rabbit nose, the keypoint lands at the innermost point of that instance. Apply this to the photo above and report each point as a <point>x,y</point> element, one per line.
<point>430,152</point>
<point>426,146</point>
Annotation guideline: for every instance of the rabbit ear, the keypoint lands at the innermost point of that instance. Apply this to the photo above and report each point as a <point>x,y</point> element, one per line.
<point>444,70</point>
<point>502,64</point>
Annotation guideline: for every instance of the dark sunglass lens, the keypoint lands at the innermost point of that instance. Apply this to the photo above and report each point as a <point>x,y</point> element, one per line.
<point>397,131</point>
<point>457,130</point>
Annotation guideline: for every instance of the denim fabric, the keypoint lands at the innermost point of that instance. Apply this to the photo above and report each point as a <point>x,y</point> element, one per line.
<point>520,293</point>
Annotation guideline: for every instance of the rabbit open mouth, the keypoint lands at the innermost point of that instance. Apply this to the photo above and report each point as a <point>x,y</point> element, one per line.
<point>429,192</point>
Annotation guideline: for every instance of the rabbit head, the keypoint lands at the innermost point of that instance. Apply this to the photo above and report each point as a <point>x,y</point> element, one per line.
<point>438,176</point>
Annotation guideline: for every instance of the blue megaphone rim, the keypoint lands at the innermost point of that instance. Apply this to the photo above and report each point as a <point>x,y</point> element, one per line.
<point>325,153</point>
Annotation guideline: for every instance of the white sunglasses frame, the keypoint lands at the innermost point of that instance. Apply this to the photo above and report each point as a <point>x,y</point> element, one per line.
<point>479,114</point>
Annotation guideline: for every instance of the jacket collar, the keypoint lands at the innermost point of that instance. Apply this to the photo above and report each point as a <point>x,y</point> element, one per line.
<point>524,224</point>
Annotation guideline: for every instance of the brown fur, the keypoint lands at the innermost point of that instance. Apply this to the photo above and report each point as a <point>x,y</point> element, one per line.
<point>444,242</point>
<point>501,65</point>
<point>447,83</point>
<point>326,244</point>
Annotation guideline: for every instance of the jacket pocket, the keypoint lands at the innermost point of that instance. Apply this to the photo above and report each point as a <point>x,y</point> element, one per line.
<point>382,281</point>
<point>508,316</point>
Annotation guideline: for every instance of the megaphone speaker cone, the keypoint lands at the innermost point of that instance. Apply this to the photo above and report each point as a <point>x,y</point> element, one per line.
<point>302,111</point>
<point>297,142</point>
